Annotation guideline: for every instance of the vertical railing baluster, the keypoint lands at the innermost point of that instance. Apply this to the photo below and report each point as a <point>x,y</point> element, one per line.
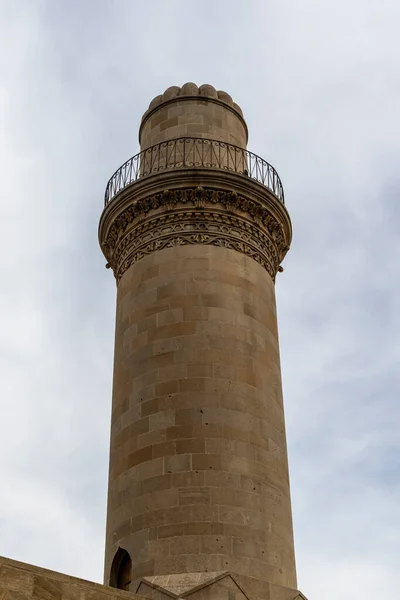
<point>149,160</point>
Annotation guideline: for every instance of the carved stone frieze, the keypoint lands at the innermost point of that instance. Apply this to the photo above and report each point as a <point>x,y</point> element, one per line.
<point>195,216</point>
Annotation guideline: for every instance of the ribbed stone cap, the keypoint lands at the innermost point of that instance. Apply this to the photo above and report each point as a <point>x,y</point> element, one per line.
<point>191,89</point>
<point>181,111</point>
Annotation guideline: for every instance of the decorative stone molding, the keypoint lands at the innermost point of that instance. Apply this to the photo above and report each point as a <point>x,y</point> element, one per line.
<point>195,216</point>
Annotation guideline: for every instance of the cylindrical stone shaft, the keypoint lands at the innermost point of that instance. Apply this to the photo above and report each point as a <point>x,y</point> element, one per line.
<point>198,476</point>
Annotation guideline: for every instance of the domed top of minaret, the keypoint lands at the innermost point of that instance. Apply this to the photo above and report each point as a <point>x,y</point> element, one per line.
<point>191,89</point>
<point>191,110</point>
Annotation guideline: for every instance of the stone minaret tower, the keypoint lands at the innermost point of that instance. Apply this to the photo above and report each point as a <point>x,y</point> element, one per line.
<point>195,229</point>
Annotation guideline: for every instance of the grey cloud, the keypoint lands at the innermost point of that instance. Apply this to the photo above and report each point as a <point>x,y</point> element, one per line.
<point>318,83</point>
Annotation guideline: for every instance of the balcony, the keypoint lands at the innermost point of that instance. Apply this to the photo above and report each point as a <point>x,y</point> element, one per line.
<point>193,153</point>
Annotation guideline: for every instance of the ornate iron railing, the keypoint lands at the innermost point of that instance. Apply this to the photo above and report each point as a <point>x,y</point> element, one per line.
<point>191,152</point>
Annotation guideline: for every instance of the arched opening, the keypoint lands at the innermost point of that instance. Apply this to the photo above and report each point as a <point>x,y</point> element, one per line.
<point>121,570</point>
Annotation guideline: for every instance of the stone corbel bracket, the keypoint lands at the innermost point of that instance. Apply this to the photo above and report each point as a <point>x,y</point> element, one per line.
<point>193,206</point>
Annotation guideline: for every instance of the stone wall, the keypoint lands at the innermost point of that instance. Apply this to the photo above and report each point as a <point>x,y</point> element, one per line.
<point>20,581</point>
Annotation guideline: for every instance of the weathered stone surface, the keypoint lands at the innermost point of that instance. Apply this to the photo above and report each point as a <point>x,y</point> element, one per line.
<point>211,411</point>
<point>198,480</point>
<point>20,581</point>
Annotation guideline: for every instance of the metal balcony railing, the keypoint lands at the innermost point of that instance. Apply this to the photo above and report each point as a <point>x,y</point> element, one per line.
<point>191,152</point>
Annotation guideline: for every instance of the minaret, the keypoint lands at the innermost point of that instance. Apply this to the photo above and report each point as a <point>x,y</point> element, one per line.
<point>195,230</point>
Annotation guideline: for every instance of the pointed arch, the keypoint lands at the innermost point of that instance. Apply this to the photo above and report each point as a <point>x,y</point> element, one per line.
<point>121,570</point>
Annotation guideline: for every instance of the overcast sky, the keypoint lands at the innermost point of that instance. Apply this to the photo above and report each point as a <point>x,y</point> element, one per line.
<point>319,84</point>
